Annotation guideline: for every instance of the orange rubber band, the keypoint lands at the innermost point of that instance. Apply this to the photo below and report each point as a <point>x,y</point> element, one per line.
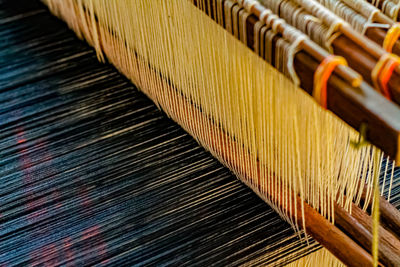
<point>386,74</point>
<point>391,37</point>
<point>378,69</point>
<point>322,75</point>
<point>382,73</point>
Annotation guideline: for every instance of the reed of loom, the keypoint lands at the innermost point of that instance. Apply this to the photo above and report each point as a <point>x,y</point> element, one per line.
<point>357,226</point>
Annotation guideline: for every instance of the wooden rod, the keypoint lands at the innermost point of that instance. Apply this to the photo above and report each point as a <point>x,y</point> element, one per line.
<point>378,36</point>
<point>372,48</point>
<point>389,245</point>
<point>386,239</point>
<point>390,216</point>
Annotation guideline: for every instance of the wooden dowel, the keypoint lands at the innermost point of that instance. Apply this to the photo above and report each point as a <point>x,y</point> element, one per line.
<point>338,243</point>
<point>344,72</point>
<point>390,216</point>
<point>378,35</point>
<point>359,226</point>
<point>386,239</point>
<point>364,63</point>
<point>373,49</point>
<point>357,59</point>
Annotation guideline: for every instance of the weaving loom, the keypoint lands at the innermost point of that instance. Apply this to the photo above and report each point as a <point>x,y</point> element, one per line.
<point>95,174</point>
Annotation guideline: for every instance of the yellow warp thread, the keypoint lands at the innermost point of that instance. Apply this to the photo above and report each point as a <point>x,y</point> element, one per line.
<point>320,257</point>
<point>375,212</point>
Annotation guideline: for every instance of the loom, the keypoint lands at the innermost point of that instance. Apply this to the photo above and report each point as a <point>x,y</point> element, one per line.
<point>298,99</point>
